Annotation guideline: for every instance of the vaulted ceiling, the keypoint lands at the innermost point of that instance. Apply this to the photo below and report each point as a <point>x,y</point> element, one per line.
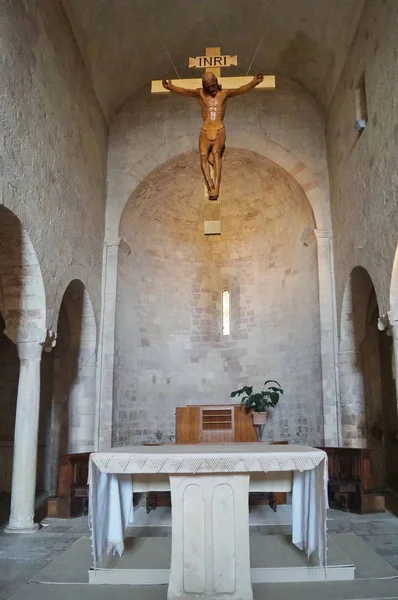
<point>126,43</point>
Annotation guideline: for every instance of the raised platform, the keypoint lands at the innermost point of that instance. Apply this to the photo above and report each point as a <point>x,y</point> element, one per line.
<point>374,577</point>
<point>146,561</point>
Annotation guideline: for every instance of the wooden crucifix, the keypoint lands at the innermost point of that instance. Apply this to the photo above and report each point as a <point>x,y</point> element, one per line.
<point>213,92</point>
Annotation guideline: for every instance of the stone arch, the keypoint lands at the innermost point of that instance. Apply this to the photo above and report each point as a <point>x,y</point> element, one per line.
<point>356,296</point>
<point>250,140</point>
<point>73,405</point>
<point>22,282</point>
<point>82,323</point>
<point>74,271</point>
<point>365,371</point>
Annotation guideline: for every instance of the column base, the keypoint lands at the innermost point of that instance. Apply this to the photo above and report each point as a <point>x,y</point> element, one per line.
<point>28,529</point>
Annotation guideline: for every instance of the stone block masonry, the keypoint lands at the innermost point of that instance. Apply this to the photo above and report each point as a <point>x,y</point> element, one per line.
<point>170,350</point>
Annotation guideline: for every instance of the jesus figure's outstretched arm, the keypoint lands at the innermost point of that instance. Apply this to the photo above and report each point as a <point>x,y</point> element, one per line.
<point>168,85</point>
<point>245,88</point>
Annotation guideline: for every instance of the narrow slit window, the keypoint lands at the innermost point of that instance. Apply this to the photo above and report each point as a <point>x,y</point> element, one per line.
<point>226,312</point>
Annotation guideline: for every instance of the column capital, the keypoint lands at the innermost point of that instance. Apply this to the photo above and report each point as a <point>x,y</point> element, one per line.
<point>29,350</point>
<point>323,234</point>
<point>387,323</point>
<point>112,241</point>
<point>118,243</point>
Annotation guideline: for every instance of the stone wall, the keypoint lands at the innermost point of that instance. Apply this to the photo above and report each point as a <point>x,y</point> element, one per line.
<point>170,350</point>
<point>52,167</point>
<point>363,168</point>
<point>363,187</point>
<point>53,149</point>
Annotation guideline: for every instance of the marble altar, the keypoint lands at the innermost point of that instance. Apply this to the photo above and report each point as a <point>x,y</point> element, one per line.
<point>210,521</point>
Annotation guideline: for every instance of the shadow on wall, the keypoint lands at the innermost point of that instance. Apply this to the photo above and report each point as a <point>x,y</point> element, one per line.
<point>22,319</point>
<point>367,389</point>
<point>69,420</point>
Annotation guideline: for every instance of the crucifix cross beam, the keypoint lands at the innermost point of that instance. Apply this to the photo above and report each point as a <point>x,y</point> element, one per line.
<point>213,61</point>
<point>213,99</point>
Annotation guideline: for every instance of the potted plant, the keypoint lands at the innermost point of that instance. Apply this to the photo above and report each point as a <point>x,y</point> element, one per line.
<point>259,402</point>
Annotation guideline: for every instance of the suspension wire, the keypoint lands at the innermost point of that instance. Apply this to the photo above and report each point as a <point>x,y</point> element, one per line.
<point>170,59</point>
<point>255,54</point>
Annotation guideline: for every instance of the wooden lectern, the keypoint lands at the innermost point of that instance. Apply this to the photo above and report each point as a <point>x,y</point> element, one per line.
<point>209,424</point>
<point>216,424</point>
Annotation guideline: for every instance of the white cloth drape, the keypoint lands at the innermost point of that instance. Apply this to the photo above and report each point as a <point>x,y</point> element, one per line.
<point>110,510</point>
<point>309,505</point>
<point>111,487</point>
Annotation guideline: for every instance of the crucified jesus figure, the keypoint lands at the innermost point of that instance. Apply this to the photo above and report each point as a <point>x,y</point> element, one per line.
<point>213,100</point>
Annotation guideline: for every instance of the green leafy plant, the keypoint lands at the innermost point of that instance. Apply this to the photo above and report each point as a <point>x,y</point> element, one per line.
<point>260,401</point>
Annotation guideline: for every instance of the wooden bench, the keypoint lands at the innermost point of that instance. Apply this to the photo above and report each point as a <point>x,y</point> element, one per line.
<point>350,480</point>
<point>72,491</point>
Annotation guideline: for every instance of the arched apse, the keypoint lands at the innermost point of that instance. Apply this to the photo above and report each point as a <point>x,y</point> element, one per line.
<point>168,346</point>
<point>123,181</point>
<point>365,367</point>
<point>73,403</point>
<point>150,130</point>
<point>22,319</point>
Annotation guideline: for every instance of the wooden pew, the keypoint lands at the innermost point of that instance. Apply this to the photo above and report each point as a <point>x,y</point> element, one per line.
<point>72,491</point>
<point>350,480</point>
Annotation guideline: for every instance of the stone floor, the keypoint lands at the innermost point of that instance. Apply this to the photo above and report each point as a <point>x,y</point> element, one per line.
<point>22,556</point>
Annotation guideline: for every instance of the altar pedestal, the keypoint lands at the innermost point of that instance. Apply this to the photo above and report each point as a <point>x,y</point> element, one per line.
<point>210,556</point>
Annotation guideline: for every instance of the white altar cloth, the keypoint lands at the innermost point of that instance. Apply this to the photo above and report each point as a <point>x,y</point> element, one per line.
<point>111,485</point>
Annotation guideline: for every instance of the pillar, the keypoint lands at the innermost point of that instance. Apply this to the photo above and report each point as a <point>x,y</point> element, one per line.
<point>327,313</point>
<point>25,440</point>
<point>390,407</point>
<point>393,327</point>
<point>106,346</point>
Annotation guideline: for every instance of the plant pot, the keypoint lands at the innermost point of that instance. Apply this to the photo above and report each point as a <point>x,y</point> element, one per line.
<point>259,418</point>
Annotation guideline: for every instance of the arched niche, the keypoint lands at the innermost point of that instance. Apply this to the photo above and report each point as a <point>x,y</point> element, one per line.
<point>73,402</point>
<point>365,367</point>
<point>168,349</point>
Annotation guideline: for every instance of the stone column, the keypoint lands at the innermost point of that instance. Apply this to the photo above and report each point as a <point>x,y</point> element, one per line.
<point>106,346</point>
<point>392,327</point>
<point>327,311</point>
<point>25,440</point>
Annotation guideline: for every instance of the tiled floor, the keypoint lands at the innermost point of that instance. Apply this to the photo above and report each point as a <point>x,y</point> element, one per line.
<point>22,556</point>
